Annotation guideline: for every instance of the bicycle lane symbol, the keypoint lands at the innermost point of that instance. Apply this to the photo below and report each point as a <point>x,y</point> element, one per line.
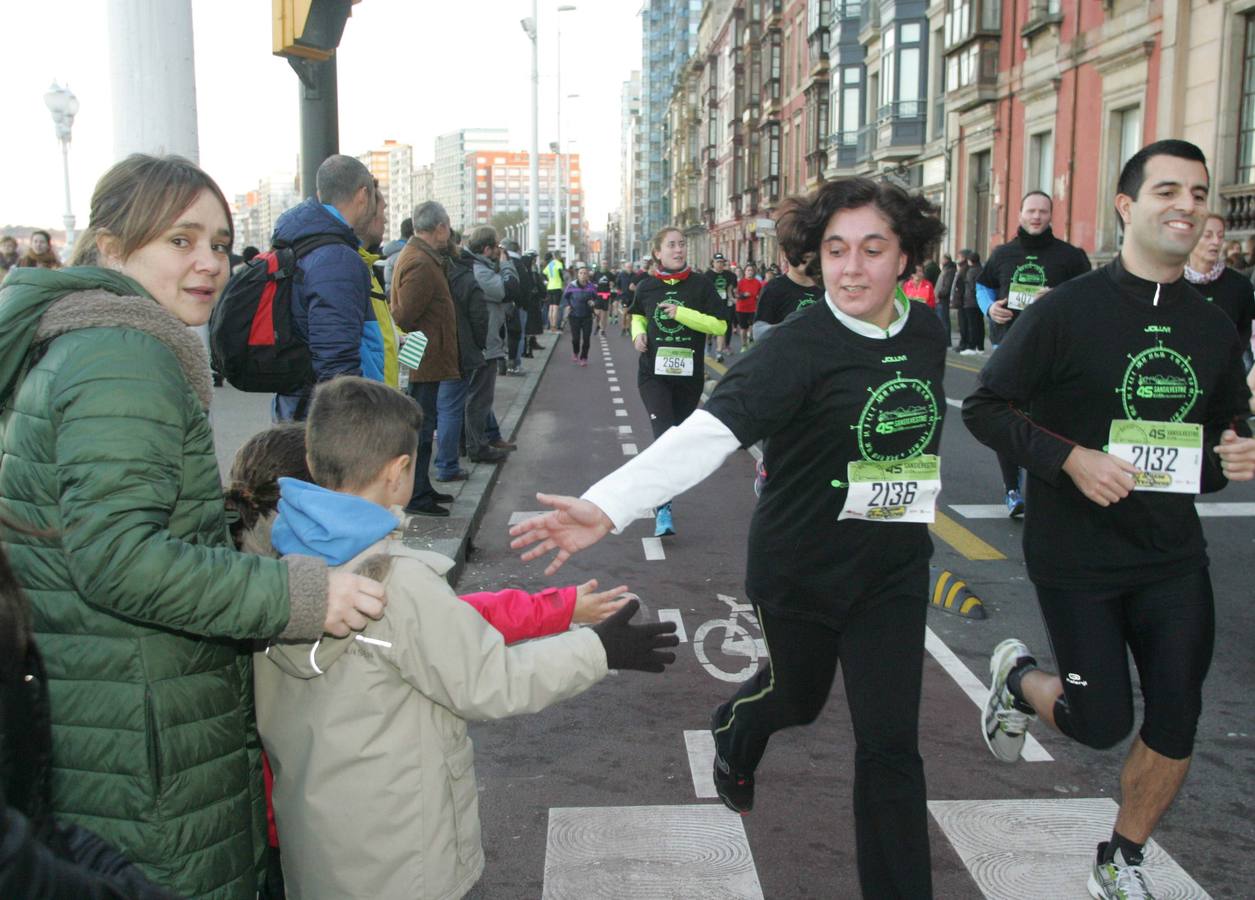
<point>732,643</point>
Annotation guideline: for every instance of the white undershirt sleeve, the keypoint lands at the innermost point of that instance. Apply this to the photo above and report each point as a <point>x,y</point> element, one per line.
<point>682,458</point>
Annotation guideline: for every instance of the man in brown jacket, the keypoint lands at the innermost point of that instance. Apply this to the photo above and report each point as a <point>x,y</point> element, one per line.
<point>421,302</point>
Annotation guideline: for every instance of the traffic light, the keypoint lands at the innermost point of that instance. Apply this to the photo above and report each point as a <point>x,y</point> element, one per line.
<point>309,29</point>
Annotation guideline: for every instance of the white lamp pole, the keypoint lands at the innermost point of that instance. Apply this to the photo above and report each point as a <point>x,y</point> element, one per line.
<point>533,213</point>
<point>557,187</point>
<point>63,105</point>
<point>566,186</point>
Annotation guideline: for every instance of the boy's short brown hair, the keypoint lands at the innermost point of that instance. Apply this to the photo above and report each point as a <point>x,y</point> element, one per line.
<point>355,428</point>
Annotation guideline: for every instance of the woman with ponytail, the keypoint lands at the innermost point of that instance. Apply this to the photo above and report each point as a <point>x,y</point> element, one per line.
<point>675,309</point>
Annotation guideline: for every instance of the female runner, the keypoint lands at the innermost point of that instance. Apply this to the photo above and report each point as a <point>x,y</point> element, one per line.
<point>674,311</point>
<point>848,395</point>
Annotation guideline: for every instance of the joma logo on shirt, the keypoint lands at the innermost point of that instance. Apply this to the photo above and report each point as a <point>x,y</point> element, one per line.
<point>1160,329</point>
<point>894,359</point>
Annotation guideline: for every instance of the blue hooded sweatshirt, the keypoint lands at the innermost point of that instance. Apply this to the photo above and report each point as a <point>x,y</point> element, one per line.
<point>314,521</point>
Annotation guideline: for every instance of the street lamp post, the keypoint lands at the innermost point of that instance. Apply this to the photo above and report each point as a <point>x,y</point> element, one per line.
<point>533,166</point>
<point>63,105</point>
<point>566,186</point>
<point>557,187</point>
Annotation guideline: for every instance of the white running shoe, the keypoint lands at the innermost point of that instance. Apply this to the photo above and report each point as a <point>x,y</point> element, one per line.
<point>1118,880</point>
<point>1003,724</point>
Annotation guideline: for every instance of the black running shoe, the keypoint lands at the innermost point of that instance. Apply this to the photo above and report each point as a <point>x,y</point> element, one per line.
<point>735,790</point>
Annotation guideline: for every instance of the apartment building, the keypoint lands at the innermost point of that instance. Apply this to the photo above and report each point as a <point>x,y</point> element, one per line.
<point>452,183</point>
<point>500,184</point>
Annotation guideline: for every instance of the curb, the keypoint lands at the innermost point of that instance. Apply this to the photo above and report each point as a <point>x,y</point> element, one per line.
<point>451,537</point>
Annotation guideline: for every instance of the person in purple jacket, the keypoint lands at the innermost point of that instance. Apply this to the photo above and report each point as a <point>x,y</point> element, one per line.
<point>579,298</point>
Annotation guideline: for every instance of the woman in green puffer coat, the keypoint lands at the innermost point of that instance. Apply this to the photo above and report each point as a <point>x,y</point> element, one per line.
<point>143,612</point>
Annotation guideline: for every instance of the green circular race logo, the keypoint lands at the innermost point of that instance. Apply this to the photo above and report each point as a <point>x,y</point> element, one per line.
<point>898,420</point>
<point>665,325</point>
<point>1029,274</point>
<point>806,301</point>
<point>1160,384</point>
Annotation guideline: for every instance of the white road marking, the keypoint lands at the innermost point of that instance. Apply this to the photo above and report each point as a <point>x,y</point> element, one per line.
<point>957,404</point>
<point>516,517</point>
<point>1217,510</point>
<point>617,400</point>
<point>612,380</point>
<point>653,548</point>
<point>629,449</point>
<point>620,412</point>
<point>614,389</point>
<point>673,615</point>
<point>696,851</point>
<point>1205,510</point>
<point>625,429</point>
<point>976,691</point>
<point>1044,848</point>
<point>701,752</point>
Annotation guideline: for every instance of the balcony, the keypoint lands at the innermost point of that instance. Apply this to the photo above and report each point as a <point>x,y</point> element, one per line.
<point>974,70</point>
<point>1239,207</point>
<point>773,13</point>
<point>865,143</point>
<point>843,149</point>
<point>900,130</point>
<point>869,21</point>
<point>712,96</point>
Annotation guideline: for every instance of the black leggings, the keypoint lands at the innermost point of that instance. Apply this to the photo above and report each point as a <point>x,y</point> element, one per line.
<point>669,399</point>
<point>581,328</point>
<point>1170,628</point>
<point>881,651</point>
<point>1010,472</point>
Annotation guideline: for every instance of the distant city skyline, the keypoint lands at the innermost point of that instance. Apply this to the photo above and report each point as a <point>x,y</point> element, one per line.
<point>247,99</point>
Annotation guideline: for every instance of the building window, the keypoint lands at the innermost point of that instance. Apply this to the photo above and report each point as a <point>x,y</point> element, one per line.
<point>910,55</point>
<point>978,174</point>
<point>1127,130</point>
<point>1246,115</point>
<point>1041,162</point>
<point>851,102</point>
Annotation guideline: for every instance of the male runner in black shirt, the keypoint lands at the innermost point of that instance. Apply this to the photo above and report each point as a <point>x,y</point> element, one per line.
<point>725,284</point>
<point>1122,394</point>
<point>1018,272</point>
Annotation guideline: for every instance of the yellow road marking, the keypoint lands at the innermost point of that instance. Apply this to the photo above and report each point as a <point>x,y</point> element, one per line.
<point>962,540</point>
<point>959,365</point>
<point>941,586</point>
<point>954,592</point>
<point>719,367</point>
<point>968,604</point>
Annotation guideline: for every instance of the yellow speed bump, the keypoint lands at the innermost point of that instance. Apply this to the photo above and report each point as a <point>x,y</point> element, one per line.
<point>951,594</point>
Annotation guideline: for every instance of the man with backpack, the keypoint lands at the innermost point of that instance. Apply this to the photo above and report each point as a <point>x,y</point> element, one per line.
<point>330,300</point>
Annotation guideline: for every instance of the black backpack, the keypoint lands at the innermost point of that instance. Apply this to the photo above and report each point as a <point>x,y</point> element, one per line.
<point>252,333</point>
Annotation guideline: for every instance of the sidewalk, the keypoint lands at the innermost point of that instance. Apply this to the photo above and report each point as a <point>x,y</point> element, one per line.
<point>452,536</point>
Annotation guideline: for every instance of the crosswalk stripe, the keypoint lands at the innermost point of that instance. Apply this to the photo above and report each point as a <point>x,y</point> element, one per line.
<point>1044,848</point>
<point>1206,510</point>
<point>695,850</point>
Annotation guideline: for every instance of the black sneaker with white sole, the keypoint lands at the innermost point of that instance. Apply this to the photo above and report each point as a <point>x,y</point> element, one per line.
<point>734,789</point>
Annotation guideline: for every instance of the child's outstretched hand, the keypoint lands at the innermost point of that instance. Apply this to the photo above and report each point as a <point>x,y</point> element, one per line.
<point>639,647</point>
<point>591,606</point>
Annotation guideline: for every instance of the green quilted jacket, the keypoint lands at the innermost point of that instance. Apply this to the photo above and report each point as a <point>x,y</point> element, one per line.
<point>143,612</point>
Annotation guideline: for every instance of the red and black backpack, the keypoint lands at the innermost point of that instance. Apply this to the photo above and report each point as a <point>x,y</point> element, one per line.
<point>252,332</point>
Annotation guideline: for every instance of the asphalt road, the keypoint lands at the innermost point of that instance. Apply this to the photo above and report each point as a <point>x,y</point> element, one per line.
<point>619,753</point>
<point>598,796</point>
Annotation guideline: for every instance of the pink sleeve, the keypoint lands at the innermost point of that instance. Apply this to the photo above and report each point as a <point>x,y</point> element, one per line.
<point>519,615</point>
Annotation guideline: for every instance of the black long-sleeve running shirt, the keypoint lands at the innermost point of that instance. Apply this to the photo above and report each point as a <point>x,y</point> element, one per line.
<point>1096,349</point>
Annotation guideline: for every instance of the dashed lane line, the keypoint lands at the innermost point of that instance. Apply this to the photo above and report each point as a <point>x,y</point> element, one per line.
<point>975,689</point>
<point>629,449</point>
<point>653,549</point>
<point>673,615</point>
<point>617,400</point>
<point>620,412</point>
<point>700,746</point>
<point>614,388</point>
<point>625,429</point>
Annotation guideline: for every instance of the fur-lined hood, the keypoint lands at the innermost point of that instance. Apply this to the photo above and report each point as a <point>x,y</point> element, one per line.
<point>37,305</point>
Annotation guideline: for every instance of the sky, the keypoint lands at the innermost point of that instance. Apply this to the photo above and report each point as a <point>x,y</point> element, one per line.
<point>408,70</point>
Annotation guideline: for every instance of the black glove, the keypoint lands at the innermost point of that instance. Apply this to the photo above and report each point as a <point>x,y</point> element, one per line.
<point>636,647</point>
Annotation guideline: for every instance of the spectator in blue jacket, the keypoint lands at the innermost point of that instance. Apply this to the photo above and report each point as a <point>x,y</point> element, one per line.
<point>331,301</point>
